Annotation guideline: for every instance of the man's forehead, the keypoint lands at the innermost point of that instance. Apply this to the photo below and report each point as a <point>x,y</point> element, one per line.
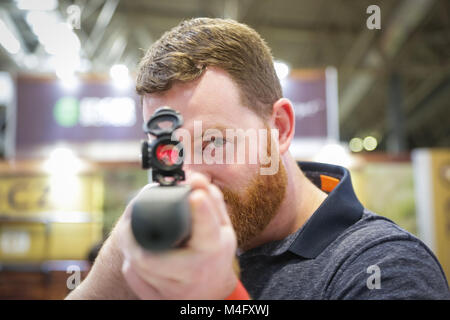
<point>208,124</point>
<point>178,94</point>
<point>206,116</point>
<point>214,91</point>
<point>209,115</point>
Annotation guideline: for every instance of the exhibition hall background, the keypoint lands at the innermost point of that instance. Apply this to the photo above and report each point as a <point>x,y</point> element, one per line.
<point>369,81</point>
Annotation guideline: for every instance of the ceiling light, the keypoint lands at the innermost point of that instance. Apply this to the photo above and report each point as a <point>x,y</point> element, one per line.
<point>120,75</point>
<point>336,154</point>
<point>370,143</point>
<point>8,40</point>
<point>356,145</point>
<point>39,5</point>
<point>282,69</point>
<point>63,161</point>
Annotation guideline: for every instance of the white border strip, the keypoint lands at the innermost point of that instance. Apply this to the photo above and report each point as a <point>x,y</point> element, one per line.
<point>331,88</point>
<point>423,189</point>
<point>11,122</point>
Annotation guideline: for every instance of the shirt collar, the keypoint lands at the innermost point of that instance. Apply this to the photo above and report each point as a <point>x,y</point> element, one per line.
<point>337,212</point>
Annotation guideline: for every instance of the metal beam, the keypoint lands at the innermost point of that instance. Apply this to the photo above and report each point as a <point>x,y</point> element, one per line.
<point>445,139</point>
<point>292,35</point>
<point>117,49</point>
<point>404,20</point>
<point>424,89</point>
<point>88,7</point>
<point>423,112</point>
<point>16,59</point>
<point>111,47</point>
<point>143,37</point>
<point>396,142</point>
<point>104,18</point>
<point>359,49</point>
<point>418,95</point>
<point>130,59</point>
<point>231,9</point>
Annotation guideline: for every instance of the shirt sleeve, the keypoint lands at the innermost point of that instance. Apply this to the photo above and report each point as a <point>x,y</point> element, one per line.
<point>399,269</point>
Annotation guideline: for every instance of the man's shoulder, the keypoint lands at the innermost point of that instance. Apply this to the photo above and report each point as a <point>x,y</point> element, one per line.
<point>374,234</point>
<point>408,268</point>
<point>371,230</point>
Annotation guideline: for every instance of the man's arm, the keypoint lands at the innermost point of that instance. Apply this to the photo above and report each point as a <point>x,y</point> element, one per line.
<point>202,269</point>
<point>105,280</point>
<point>393,269</point>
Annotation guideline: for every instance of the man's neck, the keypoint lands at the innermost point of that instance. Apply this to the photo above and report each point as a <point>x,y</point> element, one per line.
<point>301,200</point>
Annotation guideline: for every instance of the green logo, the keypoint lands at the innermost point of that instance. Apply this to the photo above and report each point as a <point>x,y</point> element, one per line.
<point>65,112</point>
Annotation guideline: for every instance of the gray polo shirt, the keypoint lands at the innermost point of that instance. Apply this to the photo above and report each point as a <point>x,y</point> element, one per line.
<point>343,252</point>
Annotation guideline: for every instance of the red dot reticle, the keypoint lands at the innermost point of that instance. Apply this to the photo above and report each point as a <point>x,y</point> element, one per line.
<point>167,154</point>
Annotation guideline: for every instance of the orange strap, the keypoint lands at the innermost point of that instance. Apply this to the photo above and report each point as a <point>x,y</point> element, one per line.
<point>239,293</point>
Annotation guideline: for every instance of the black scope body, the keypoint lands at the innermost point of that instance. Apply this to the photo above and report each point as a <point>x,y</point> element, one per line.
<point>161,218</point>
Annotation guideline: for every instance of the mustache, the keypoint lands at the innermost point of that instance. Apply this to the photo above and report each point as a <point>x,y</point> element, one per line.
<point>254,208</point>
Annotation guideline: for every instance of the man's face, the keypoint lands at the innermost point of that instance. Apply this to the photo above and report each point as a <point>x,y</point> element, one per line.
<point>252,199</point>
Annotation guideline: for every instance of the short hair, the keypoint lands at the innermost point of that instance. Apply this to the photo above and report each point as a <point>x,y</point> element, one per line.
<point>184,52</point>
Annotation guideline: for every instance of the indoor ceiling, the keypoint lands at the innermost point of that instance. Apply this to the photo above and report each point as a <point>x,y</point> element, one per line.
<point>393,83</point>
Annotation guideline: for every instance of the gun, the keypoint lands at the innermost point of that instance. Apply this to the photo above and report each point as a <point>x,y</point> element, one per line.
<point>161,218</point>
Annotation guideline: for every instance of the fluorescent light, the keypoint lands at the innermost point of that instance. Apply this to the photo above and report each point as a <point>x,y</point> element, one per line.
<point>63,162</point>
<point>120,75</point>
<point>59,40</point>
<point>7,39</point>
<point>356,145</point>
<point>282,69</point>
<point>55,36</point>
<point>65,68</point>
<point>118,71</point>
<point>65,65</point>
<point>6,88</point>
<point>63,167</point>
<point>31,61</point>
<point>370,143</point>
<point>39,5</point>
<point>71,216</point>
<point>85,65</point>
<point>62,40</point>
<point>336,154</point>
<point>69,81</point>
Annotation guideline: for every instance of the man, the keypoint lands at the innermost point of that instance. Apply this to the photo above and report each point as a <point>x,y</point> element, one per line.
<point>300,231</point>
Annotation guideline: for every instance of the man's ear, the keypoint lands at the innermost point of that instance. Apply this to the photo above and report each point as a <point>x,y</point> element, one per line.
<point>283,119</point>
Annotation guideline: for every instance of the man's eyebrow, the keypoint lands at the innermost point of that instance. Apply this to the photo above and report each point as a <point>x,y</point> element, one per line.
<point>218,126</point>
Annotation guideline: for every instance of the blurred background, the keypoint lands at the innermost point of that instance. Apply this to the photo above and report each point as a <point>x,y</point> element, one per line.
<point>369,81</point>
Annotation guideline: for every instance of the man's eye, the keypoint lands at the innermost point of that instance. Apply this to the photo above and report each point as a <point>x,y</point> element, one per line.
<point>216,142</point>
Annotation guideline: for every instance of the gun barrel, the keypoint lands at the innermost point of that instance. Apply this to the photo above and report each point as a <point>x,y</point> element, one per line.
<point>161,218</point>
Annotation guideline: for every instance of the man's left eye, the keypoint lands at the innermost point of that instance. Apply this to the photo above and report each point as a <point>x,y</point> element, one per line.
<point>218,142</point>
<point>214,142</point>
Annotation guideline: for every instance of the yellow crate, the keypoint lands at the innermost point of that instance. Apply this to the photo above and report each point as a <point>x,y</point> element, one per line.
<point>32,242</point>
<point>46,217</point>
<point>37,195</point>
